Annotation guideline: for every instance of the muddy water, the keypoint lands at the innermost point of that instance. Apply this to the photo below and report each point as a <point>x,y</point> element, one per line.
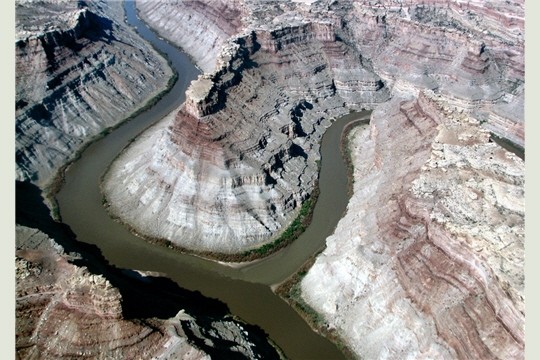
<point>245,290</point>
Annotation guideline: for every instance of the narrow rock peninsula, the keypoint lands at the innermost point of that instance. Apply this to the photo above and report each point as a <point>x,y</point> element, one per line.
<point>428,260</point>
<point>230,169</point>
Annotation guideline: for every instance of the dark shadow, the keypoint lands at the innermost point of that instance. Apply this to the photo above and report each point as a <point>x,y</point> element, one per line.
<point>296,150</point>
<point>508,145</point>
<point>98,28</point>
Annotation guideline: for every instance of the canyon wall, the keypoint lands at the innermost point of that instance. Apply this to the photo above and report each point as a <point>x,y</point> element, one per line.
<point>228,170</point>
<point>428,260</point>
<point>78,72</point>
<point>200,28</point>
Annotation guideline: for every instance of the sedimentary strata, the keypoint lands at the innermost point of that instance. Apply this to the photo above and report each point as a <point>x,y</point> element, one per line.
<point>80,69</point>
<point>230,168</point>
<point>428,261</point>
<point>64,311</point>
<point>200,28</point>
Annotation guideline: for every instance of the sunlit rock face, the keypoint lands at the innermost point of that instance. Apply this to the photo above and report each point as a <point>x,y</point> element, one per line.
<point>246,139</point>
<point>64,311</point>
<point>79,70</point>
<point>428,260</point>
<point>230,168</point>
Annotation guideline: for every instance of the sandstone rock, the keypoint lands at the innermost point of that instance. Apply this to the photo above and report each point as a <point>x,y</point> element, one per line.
<point>64,311</point>
<point>71,61</point>
<point>208,23</point>
<point>432,242</point>
<point>229,169</point>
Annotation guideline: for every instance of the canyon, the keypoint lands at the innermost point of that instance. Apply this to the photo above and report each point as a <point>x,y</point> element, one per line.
<point>70,303</point>
<point>432,241</point>
<point>427,261</point>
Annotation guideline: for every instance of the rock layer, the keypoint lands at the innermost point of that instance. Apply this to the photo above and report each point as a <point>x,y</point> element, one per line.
<point>432,242</point>
<point>208,23</point>
<point>64,311</point>
<point>71,60</point>
<point>230,168</point>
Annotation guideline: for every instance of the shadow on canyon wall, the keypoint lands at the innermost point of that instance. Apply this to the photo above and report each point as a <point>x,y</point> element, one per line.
<point>142,296</point>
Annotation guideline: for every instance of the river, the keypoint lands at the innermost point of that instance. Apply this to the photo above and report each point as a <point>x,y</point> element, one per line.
<point>246,290</point>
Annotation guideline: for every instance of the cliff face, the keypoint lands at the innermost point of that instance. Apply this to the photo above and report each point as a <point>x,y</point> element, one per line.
<point>472,54</point>
<point>64,311</point>
<point>208,23</point>
<point>428,260</point>
<point>433,239</point>
<point>230,168</point>
<point>71,60</point>
<point>432,242</point>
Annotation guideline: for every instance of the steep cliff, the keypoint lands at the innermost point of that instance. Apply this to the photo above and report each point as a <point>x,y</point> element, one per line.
<point>77,73</point>
<point>208,23</point>
<point>432,242</point>
<point>229,169</point>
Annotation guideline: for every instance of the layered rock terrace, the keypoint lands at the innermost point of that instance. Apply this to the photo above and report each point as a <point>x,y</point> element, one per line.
<point>229,170</point>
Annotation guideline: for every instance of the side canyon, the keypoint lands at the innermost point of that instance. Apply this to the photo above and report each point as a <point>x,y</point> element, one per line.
<point>427,261</point>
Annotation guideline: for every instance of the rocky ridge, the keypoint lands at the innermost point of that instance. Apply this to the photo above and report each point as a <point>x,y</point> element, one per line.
<point>279,87</point>
<point>71,60</point>
<point>432,243</point>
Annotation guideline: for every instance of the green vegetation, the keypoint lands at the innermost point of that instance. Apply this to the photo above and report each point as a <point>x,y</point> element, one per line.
<point>298,226</point>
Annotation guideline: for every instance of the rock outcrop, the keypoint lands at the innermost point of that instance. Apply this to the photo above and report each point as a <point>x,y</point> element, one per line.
<point>78,72</point>
<point>209,25</point>
<point>229,170</point>
<point>64,311</point>
<point>428,261</point>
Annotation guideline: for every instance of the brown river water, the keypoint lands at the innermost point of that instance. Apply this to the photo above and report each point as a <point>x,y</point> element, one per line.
<point>245,290</point>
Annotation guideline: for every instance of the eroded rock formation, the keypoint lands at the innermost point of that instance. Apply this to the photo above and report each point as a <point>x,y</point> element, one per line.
<point>78,72</point>
<point>428,261</point>
<point>64,311</point>
<point>230,168</point>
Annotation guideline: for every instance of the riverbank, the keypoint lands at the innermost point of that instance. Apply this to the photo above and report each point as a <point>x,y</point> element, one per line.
<point>53,187</point>
<point>290,289</point>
